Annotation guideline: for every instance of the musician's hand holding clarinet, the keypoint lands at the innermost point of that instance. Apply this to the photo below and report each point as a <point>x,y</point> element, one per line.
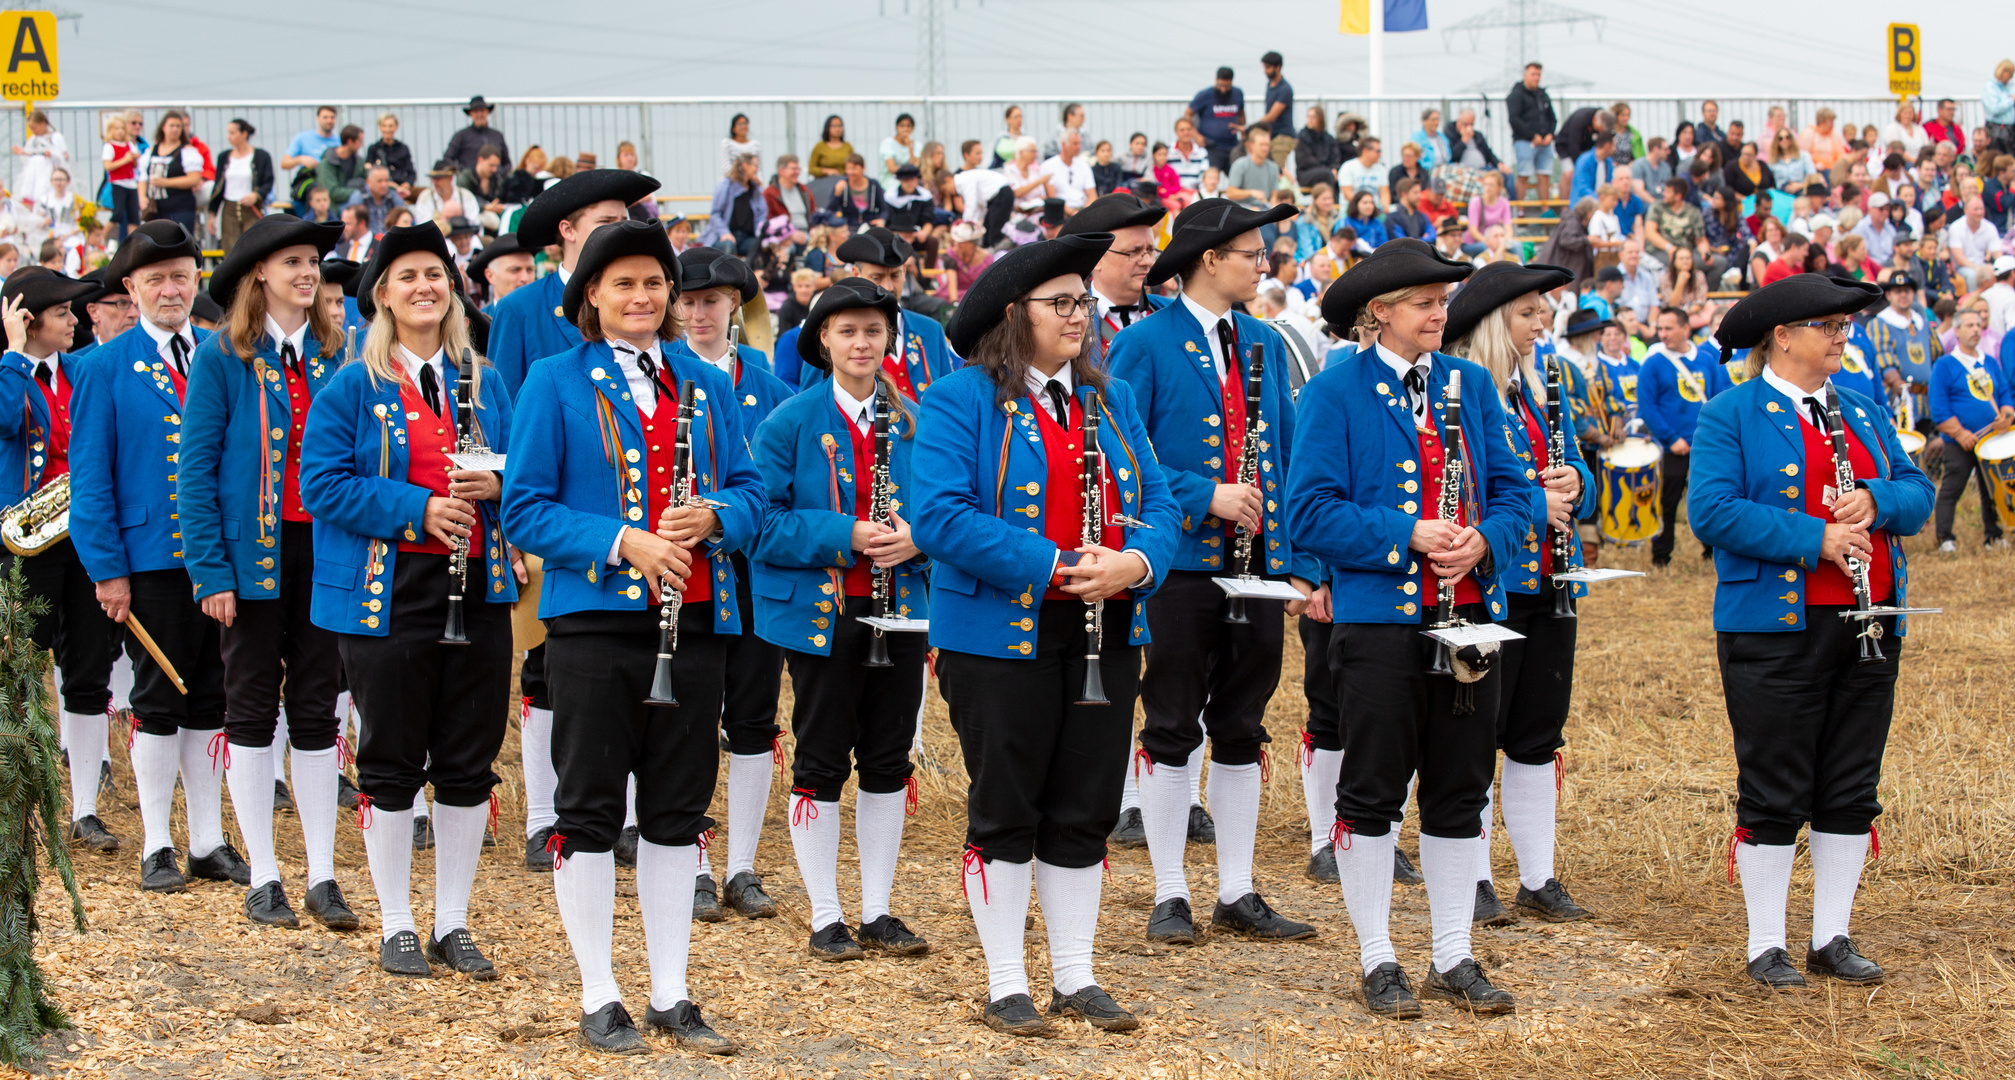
<point>1563,490</point>
<point>655,555</point>
<point>448,518</point>
<point>1101,572</point>
<point>885,546</point>
<point>1452,550</point>
<point>1847,534</point>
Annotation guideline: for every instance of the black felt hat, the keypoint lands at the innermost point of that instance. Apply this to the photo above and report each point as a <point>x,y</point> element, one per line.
<point>342,272</point>
<point>477,102</point>
<point>1013,275</point>
<point>903,219</point>
<point>1111,213</point>
<point>112,287</point>
<point>1494,286</point>
<point>876,246</point>
<point>1397,264</point>
<point>206,308</point>
<point>40,288</point>
<point>268,235</point>
<point>403,240</point>
<point>703,268</point>
<point>1583,321</point>
<point>1794,299</point>
<point>609,243</point>
<point>506,244</point>
<point>156,241</point>
<point>1207,224</point>
<point>846,294</point>
<point>539,225</point>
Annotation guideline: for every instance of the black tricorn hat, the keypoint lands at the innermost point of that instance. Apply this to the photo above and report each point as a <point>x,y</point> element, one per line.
<point>106,288</point>
<point>156,241</point>
<point>876,246</point>
<point>403,240</point>
<point>1111,213</point>
<point>86,332</point>
<point>1794,299</point>
<point>40,288</point>
<point>609,243</point>
<point>477,102</point>
<point>1495,285</point>
<point>268,235</point>
<point>506,244</point>
<point>1013,275</point>
<point>846,294</point>
<point>1397,264</point>
<point>1052,211</point>
<point>539,225</point>
<point>342,272</point>
<point>1207,224</point>
<point>206,308</point>
<point>704,268</point>
<point>903,219</point>
<point>1582,321</point>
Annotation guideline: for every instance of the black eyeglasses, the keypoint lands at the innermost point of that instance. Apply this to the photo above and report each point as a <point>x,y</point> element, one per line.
<point>1066,306</point>
<point>1145,253</point>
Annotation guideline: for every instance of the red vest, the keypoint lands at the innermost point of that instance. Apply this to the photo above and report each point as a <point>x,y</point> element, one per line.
<point>1828,585</point>
<point>1063,505</point>
<point>429,441</point>
<point>658,458</point>
<point>1535,437</point>
<point>290,480</point>
<point>1232,387</point>
<point>57,457</point>
<point>1431,464</point>
<point>900,372</point>
<point>860,577</point>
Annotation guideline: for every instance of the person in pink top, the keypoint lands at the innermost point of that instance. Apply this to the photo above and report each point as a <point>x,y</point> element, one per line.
<point>1492,207</point>
<point>1823,140</point>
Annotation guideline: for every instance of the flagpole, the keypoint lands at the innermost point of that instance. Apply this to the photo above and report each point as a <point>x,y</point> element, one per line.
<point>1376,9</point>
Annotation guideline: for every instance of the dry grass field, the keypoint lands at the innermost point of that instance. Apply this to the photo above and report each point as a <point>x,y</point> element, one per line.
<point>182,986</point>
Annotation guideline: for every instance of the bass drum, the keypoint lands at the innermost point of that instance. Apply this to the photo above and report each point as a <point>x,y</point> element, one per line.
<point>1997,463</point>
<point>1303,361</point>
<point>1629,482</point>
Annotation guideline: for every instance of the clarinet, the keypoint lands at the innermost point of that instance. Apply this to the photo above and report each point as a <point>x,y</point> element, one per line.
<point>1449,508</point>
<point>878,510</point>
<point>1843,482</point>
<point>455,632</point>
<point>1556,456</point>
<point>669,599</point>
<point>1248,474</point>
<point>1091,473</point>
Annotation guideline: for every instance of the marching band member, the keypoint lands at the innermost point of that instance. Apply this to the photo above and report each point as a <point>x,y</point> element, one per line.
<point>36,381</point>
<point>1119,281</point>
<point>500,269</point>
<point>821,549</point>
<point>1810,715</point>
<point>102,317</point>
<point>1001,511</point>
<point>1494,322</point>
<point>1971,399</point>
<point>390,509</point>
<point>1188,366</point>
<point>1906,346</point>
<point>250,545</point>
<point>599,422</point>
<point>920,355</point>
<point>1365,501</point>
<point>126,436</point>
<point>1676,378</point>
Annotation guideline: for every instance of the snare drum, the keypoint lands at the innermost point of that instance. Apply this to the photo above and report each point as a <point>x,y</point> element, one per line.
<point>1913,444</point>
<point>1997,464</point>
<point>1629,479</point>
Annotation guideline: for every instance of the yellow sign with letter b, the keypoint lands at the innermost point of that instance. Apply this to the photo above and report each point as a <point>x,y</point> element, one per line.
<point>1906,59</point>
<point>30,40</point>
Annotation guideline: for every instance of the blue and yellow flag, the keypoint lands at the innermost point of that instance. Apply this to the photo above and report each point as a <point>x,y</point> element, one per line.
<point>1400,16</point>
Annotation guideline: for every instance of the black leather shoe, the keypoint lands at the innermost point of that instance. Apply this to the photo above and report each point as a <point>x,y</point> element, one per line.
<point>1202,830</point>
<point>1129,832</point>
<point>835,942</point>
<point>458,953</point>
<point>1551,903</point>
<point>267,906</point>
<point>706,902</point>
<point>1388,993</point>
<point>745,894</point>
<point>1250,916</point>
<point>626,847</point>
<point>1489,909</point>
<point>346,792</point>
<point>1773,969</point>
<point>1322,866</point>
<point>610,1030</point>
<point>684,1024</point>
<point>1095,1007</point>
<point>1403,871</point>
<point>423,833</point>
<point>159,872</point>
<point>1171,923</point>
<point>1465,985</point>
<point>1841,960</point>
<point>282,798</point>
<point>400,955</point>
<point>1015,1015</point>
<point>223,864</point>
<point>537,859</point>
<point>89,832</point>
<point>325,902</point>
<point>888,934</point>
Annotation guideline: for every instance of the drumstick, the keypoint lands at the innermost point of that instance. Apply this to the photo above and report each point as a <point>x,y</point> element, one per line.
<point>153,650</point>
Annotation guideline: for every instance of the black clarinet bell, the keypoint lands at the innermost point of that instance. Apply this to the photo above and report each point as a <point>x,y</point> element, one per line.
<point>455,632</point>
<point>1094,683</point>
<point>661,685</point>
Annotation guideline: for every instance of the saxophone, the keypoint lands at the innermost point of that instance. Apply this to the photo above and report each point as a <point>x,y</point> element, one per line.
<point>40,521</point>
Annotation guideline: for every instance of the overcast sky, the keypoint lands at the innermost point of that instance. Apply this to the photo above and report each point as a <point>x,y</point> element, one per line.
<point>181,50</point>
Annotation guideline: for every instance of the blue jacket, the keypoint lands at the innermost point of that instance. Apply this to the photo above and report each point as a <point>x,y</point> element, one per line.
<point>926,353</point>
<point>569,500</point>
<point>806,456</point>
<point>991,569</point>
<point>1104,333</point>
<point>1525,578</point>
<point>125,440</point>
<point>1748,460</point>
<point>1166,359</point>
<point>527,328</point>
<point>24,426</point>
<point>353,480</point>
<point>1910,352</point>
<point>757,392</point>
<point>1355,497</point>
<point>1669,409</point>
<point>229,434</point>
<point>1975,399</point>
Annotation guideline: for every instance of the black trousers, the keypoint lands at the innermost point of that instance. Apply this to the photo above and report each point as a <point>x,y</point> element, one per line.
<point>600,665</point>
<point>1046,772</point>
<point>166,606</point>
<point>432,713</point>
<point>1204,674</point>
<point>1810,725</point>
<point>532,677</point>
<point>1672,471</point>
<point>1318,683</point>
<point>755,674</point>
<point>1961,466</point>
<point>1538,681</point>
<point>272,640</point>
<point>847,716</point>
<point>86,642</point>
<point>1403,721</point>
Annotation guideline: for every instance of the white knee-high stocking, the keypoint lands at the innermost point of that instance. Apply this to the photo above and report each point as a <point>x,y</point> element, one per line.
<point>251,777</point>
<point>584,887</point>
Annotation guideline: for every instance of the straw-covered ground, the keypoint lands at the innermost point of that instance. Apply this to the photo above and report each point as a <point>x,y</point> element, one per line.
<point>183,986</point>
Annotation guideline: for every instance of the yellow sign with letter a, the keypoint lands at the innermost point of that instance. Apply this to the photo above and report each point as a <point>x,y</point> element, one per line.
<point>30,40</point>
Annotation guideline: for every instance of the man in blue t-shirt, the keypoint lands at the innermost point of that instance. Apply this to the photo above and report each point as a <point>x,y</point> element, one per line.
<point>1279,115</point>
<point>1219,112</point>
<point>305,152</point>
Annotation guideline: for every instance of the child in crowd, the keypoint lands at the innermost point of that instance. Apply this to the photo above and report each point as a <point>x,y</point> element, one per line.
<point>319,209</point>
<point>1173,197</point>
<point>118,157</point>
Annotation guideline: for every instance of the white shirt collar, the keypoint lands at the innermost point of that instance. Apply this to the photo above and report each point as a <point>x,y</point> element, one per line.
<point>565,276</point>
<point>1792,391</point>
<point>1971,360</point>
<point>1912,321</point>
<point>1209,319</point>
<point>282,338</point>
<point>1612,361</point>
<point>641,390</point>
<point>725,361</point>
<point>1392,360</point>
<point>862,412</point>
<point>161,336</point>
<point>1037,388</point>
<point>412,363</point>
<point>1692,351</point>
